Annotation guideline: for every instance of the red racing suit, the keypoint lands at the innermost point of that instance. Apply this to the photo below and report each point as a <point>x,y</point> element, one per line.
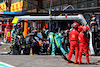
<point>83,46</point>
<point>73,37</point>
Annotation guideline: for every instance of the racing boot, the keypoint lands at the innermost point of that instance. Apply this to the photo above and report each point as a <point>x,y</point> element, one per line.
<point>75,62</point>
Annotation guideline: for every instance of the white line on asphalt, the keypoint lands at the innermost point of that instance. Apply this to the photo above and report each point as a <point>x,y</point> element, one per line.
<point>95,56</point>
<point>2,43</point>
<point>3,53</point>
<point>7,64</point>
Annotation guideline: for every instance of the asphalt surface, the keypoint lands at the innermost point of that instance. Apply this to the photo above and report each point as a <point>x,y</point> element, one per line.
<point>42,60</point>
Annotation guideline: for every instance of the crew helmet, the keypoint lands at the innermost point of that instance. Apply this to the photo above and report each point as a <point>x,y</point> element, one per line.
<point>86,28</point>
<point>80,28</point>
<point>75,25</point>
<point>14,25</point>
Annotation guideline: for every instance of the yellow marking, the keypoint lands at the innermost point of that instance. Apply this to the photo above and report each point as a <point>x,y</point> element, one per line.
<point>15,20</point>
<point>31,54</point>
<point>73,36</point>
<point>79,38</point>
<point>72,64</point>
<point>4,48</point>
<point>48,55</point>
<point>75,64</point>
<point>60,15</point>
<point>49,12</point>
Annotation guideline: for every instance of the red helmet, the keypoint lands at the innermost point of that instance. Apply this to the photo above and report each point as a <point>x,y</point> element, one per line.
<point>80,28</point>
<point>85,28</point>
<point>75,24</point>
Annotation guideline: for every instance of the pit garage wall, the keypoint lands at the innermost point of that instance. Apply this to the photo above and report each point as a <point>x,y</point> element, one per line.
<point>99,14</point>
<point>99,20</point>
<point>40,24</point>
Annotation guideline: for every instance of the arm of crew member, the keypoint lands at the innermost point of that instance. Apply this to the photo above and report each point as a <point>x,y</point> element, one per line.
<point>43,39</point>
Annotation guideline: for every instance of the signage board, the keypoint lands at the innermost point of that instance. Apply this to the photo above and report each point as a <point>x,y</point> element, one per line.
<point>2,7</point>
<point>18,6</point>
